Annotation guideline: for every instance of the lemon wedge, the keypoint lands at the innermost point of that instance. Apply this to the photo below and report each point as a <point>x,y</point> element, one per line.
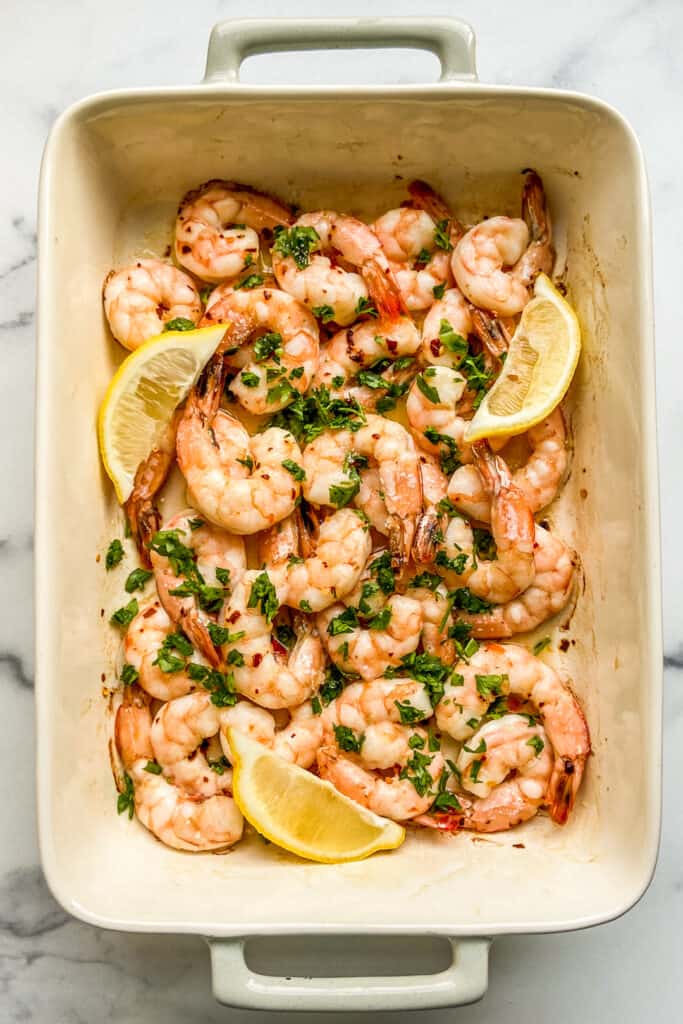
<point>300,812</point>
<point>540,364</point>
<point>143,395</point>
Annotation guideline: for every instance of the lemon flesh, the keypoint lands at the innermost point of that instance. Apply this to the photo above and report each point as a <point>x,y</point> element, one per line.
<point>300,812</point>
<point>539,367</point>
<point>143,395</point>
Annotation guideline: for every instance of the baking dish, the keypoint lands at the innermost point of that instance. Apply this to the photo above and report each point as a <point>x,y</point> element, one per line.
<point>114,168</point>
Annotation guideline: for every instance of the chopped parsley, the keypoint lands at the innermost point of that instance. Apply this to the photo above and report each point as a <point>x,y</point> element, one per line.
<point>220,635</point>
<point>451,340</point>
<point>416,771</point>
<point>438,290</point>
<point>324,313</point>
<point>342,494</point>
<point>129,675</point>
<point>305,606</point>
<point>195,524</point>
<point>456,565</point>
<point>268,345</point>
<point>297,242</point>
<point>475,768</point>
<point>249,379</point>
<point>167,659</point>
<point>220,685</point>
<point>479,749</point>
<point>449,458</point>
<point>464,599</point>
<point>541,645</point>
<point>263,592</point>
<point>297,471</point>
<point>426,669</point>
<point>428,580</point>
<point>126,798</point>
<point>491,685</point>
<point>179,323</point>
<point>310,415</point>
<point>348,740</point>
<point>124,616</point>
<point>114,555</point>
<point>409,714</point>
<point>219,765</point>
<point>537,743</point>
<point>430,393</point>
<point>153,767</point>
<point>252,281</point>
<point>346,622</point>
<point>364,307</point>
<point>248,462</point>
<point>137,580</point>
<point>441,238</point>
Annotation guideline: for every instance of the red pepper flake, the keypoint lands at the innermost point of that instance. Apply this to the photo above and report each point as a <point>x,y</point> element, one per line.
<point>564,645</point>
<point>234,617</point>
<point>256,660</point>
<point>435,346</point>
<point>392,345</point>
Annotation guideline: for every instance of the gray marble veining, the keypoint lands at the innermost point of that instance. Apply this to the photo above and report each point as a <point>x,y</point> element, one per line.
<point>54,970</point>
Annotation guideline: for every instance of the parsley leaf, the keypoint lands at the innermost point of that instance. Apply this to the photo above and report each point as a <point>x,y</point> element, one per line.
<point>537,743</point>
<point>126,798</point>
<point>430,393</point>
<point>252,281</point>
<point>297,471</point>
<point>114,554</point>
<point>297,242</point>
<point>438,290</point>
<point>153,767</point>
<point>346,622</point>
<point>129,675</point>
<point>464,599</point>
<point>220,685</point>
<point>263,592</point>
<point>124,616</point>
<point>324,313</point>
<point>364,307</point>
<point>249,379</point>
<point>451,340</point>
<point>179,323</point>
<point>409,714</point>
<point>491,685</point>
<point>310,415</point>
<point>441,238</point>
<point>268,345</point>
<point>416,771</point>
<point>137,580</point>
<point>541,645</point>
<point>348,740</point>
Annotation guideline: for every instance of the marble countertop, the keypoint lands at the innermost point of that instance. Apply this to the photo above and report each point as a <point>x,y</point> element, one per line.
<point>54,970</point>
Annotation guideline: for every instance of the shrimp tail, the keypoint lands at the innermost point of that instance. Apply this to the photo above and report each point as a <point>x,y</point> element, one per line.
<point>143,516</point>
<point>540,255</point>
<point>198,632</point>
<point>493,332</point>
<point>563,787</point>
<point>383,289</point>
<point>427,537</point>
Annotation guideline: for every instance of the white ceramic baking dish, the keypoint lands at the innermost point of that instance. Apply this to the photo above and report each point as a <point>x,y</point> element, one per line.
<point>114,168</point>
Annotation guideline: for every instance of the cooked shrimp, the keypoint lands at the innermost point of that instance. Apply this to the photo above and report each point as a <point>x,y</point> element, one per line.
<point>306,263</point>
<point>379,700</point>
<point>432,522</point>
<point>433,413</point>
<point>264,671</point>
<point>218,225</point>
<point>141,298</point>
<point>143,516</point>
<point>495,262</point>
<point>238,482</point>
<point>178,731</point>
<point>189,550</point>
<point>500,669</point>
<point>391,796</point>
<point>329,572</point>
<point>507,764</point>
<point>184,823</point>
<point>554,572</point>
<point>279,351</point>
<point>332,480</point>
<point>538,480</point>
<point>361,346</point>
<point>297,742</point>
<point>445,330</point>
<point>367,652</point>
<point>141,648</point>
<point>408,240</point>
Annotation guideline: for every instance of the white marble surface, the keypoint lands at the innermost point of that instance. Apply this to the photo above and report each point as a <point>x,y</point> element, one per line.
<point>54,970</point>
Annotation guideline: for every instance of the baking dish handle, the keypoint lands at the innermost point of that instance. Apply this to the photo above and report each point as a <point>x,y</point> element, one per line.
<point>233,40</point>
<point>234,984</point>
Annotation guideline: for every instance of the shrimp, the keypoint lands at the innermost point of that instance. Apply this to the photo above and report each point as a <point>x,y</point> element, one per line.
<point>140,299</point>
<point>142,645</point>
<point>331,569</point>
<point>368,651</point>
<point>361,346</point>
<point>496,670</point>
<point>178,731</point>
<point>217,228</point>
<point>400,796</point>
<point>445,330</point>
<point>297,742</point>
<point>281,360</point>
<point>524,247</point>
<point>306,264</point>
<point>433,416</point>
<point>553,582</point>
<point>182,822</point>
<point>238,482</point>
<point>408,238</point>
<point>538,480</point>
<point>379,700</point>
<point>507,764</point>
<point>143,516</point>
<point>331,478</point>
<point>187,554</point>
<point>264,670</point>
